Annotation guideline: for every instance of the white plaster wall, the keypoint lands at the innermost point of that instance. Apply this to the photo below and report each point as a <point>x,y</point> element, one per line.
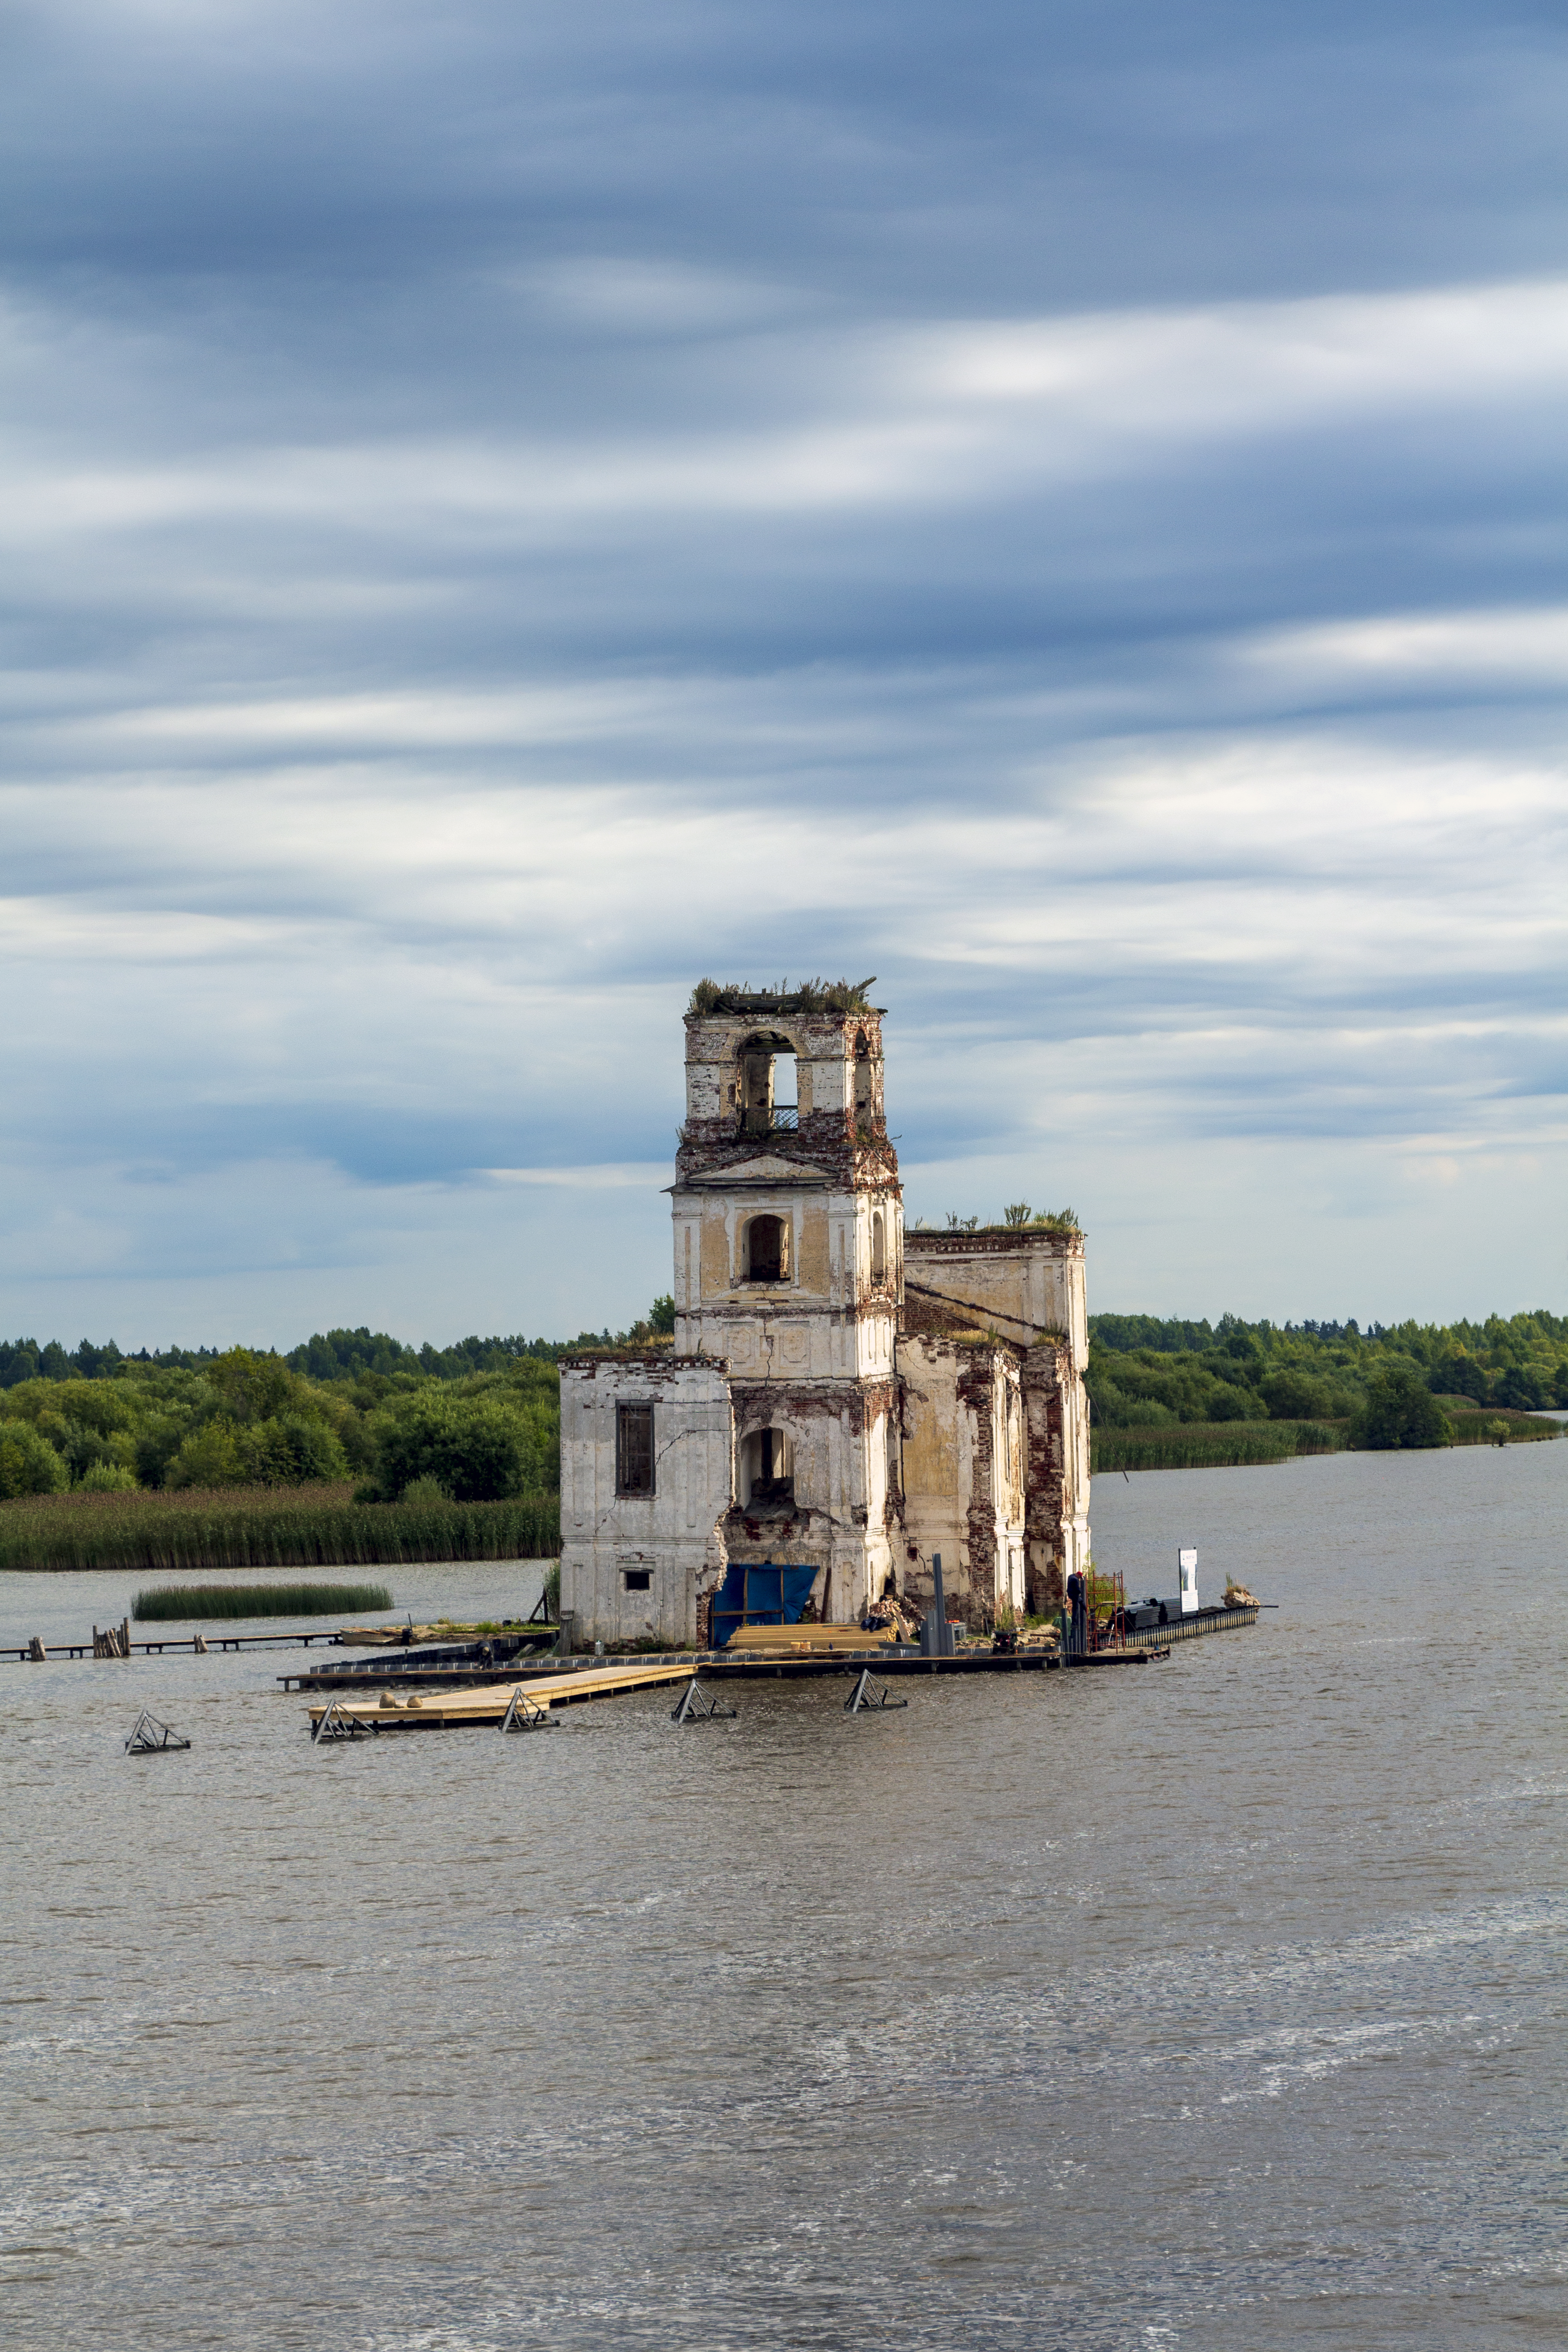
<point>672,1534</point>
<point>792,1328</point>
<point>1029,1278</point>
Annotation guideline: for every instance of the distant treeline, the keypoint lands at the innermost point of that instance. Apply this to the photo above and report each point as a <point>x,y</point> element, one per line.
<point>327,1356</point>
<point>479,1422</point>
<point>1147,1369</point>
<point>240,1419</point>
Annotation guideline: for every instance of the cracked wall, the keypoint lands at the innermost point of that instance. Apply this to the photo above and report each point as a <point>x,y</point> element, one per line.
<point>674,1537</point>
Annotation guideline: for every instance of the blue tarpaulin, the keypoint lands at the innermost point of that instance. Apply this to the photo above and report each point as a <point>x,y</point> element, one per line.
<point>760,1592</point>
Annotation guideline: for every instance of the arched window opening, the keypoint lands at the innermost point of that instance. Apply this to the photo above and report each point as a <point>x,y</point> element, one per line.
<point>767,1250</point>
<point>767,1091</point>
<point>879,1247</point>
<point>768,1469</point>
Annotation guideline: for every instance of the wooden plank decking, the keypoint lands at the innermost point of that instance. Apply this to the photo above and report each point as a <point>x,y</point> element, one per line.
<point>434,1710</point>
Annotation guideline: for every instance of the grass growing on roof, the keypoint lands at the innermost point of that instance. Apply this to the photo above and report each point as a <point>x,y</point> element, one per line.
<point>185,1602</point>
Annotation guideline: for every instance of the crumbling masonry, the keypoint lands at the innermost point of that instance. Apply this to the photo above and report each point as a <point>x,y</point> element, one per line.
<point>841,1398</point>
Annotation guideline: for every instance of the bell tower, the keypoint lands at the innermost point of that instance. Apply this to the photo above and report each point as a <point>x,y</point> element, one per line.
<point>788,1220</point>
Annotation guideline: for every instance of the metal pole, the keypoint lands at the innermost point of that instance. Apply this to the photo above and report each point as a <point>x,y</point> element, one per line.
<point>944,1648</point>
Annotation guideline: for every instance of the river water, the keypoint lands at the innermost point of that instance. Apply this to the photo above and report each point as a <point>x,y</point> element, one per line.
<point>1214,2003</point>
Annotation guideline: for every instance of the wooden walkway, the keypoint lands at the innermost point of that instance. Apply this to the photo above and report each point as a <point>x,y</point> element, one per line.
<point>213,1641</point>
<point>435,1710</point>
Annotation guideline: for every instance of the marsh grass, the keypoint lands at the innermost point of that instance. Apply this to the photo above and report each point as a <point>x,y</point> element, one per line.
<point>1492,1424</point>
<point>1213,1444</point>
<point>184,1603</point>
<point>275,1527</point>
<point>1234,1444</point>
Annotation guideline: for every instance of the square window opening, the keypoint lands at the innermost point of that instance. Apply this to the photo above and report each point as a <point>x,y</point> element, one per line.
<point>639,1580</point>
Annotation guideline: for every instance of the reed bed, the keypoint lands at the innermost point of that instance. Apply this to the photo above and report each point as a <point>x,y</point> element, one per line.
<point>1213,1444</point>
<point>1230,1444</point>
<point>1481,1427</point>
<point>183,1604</point>
<point>249,1526</point>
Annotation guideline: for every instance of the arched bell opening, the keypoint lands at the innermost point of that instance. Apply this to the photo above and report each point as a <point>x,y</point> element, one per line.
<point>767,1085</point>
<point>864,1090</point>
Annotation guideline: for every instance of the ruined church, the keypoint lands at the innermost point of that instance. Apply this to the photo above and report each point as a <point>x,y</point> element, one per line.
<point>842,1398</point>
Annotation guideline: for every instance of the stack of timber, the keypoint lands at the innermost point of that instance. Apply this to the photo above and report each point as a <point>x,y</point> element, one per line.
<point>435,1710</point>
<point>808,1641</point>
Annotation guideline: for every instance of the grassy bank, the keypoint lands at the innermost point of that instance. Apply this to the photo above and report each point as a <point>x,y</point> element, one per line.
<point>183,1603</point>
<point>1213,1444</point>
<point>1231,1444</point>
<point>297,1527</point>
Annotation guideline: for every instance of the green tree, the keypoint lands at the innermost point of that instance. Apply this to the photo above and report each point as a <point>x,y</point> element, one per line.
<point>1457,1373</point>
<point>252,1387</point>
<point>28,1463</point>
<point>209,1456</point>
<point>1524,1388</point>
<point>291,1450</point>
<point>474,1446</point>
<point>1292,1394</point>
<point>661,1314</point>
<point>1400,1409</point>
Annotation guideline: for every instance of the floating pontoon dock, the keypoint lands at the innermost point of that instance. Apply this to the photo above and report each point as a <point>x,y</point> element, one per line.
<point>434,1710</point>
<point>1193,1626</point>
<point>432,1675</point>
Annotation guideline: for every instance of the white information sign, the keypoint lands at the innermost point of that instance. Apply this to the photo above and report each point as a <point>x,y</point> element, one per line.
<point>1187,1566</point>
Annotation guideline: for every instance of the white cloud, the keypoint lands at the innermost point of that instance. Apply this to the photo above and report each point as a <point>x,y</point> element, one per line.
<point>378,790</point>
<point>1522,646</point>
<point>950,412</point>
<point>1259,366</point>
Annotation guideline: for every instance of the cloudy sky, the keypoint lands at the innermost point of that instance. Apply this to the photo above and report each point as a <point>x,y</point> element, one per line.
<point>508,509</point>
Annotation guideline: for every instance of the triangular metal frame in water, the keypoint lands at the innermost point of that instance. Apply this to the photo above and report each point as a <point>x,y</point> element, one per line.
<point>151,1738</point>
<point>521,1715</point>
<point>868,1698</point>
<point>336,1722</point>
<point>697,1706</point>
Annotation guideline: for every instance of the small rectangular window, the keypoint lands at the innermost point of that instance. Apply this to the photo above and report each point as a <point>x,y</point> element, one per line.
<point>639,1580</point>
<point>634,1449</point>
